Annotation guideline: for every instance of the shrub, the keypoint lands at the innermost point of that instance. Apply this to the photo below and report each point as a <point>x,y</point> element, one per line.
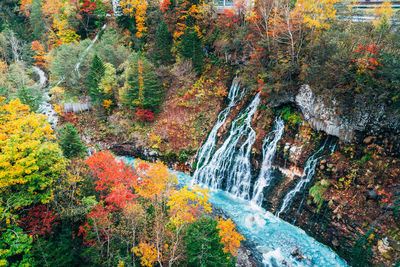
<point>145,115</point>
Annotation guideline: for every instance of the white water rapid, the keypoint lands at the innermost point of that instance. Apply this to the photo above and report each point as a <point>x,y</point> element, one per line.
<point>45,107</point>
<point>269,148</point>
<point>271,238</point>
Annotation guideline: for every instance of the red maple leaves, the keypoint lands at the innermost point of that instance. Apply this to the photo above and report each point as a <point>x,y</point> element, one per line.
<point>38,221</point>
<point>145,114</point>
<point>88,6</point>
<point>368,56</point>
<point>115,180</point>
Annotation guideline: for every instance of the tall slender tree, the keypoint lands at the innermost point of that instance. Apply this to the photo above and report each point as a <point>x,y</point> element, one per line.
<point>163,46</point>
<point>191,48</point>
<point>141,88</point>
<point>97,71</point>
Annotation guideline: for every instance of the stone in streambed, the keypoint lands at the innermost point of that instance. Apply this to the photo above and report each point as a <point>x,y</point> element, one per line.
<point>372,194</point>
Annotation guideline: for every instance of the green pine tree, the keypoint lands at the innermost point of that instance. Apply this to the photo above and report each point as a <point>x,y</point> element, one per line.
<point>147,96</point>
<point>97,71</point>
<point>191,48</point>
<point>163,47</point>
<point>36,20</point>
<point>203,247</point>
<point>70,142</point>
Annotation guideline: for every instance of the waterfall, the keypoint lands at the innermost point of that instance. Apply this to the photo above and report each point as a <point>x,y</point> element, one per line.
<point>116,8</point>
<point>204,154</point>
<point>308,173</point>
<point>229,163</point>
<point>268,150</point>
<point>78,64</point>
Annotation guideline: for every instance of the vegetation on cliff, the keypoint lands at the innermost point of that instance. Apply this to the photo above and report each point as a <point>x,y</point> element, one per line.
<point>157,73</point>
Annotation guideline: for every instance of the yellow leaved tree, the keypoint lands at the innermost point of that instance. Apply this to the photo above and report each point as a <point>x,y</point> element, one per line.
<point>382,14</point>
<point>185,205</point>
<point>156,181</point>
<point>317,13</point>
<point>138,9</point>
<point>30,162</point>
<point>230,238</point>
<point>147,254</point>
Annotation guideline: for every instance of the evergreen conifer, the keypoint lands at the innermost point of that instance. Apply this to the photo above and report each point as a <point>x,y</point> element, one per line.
<point>163,47</point>
<point>191,46</point>
<point>70,142</point>
<point>97,71</point>
<point>142,88</point>
<point>203,246</point>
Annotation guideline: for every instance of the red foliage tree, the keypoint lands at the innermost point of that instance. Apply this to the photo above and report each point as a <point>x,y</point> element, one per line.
<point>229,18</point>
<point>115,180</point>
<point>368,57</point>
<point>97,227</point>
<point>38,221</point>
<point>88,6</point>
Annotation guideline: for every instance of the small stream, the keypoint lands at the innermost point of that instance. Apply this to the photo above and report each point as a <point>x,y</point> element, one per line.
<point>46,107</point>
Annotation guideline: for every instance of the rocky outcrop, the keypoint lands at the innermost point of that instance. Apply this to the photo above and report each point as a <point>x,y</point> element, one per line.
<point>325,114</point>
<point>135,149</point>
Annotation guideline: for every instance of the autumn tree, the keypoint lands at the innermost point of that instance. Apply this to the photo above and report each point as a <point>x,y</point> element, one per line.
<point>38,221</point>
<point>317,13</point>
<point>98,233</point>
<point>114,179</point>
<point>185,207</point>
<point>137,9</point>
<point>230,238</point>
<point>108,86</point>
<point>147,254</point>
<point>383,14</point>
<point>30,162</point>
<point>40,54</point>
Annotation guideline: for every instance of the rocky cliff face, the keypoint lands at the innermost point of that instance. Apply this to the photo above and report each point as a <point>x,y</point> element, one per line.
<point>325,114</point>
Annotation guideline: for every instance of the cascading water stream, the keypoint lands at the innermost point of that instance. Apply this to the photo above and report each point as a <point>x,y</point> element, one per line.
<point>272,238</point>
<point>269,150</point>
<point>229,168</point>
<point>229,163</point>
<point>78,64</point>
<point>205,152</point>
<point>116,8</point>
<point>45,107</point>
<point>308,173</point>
